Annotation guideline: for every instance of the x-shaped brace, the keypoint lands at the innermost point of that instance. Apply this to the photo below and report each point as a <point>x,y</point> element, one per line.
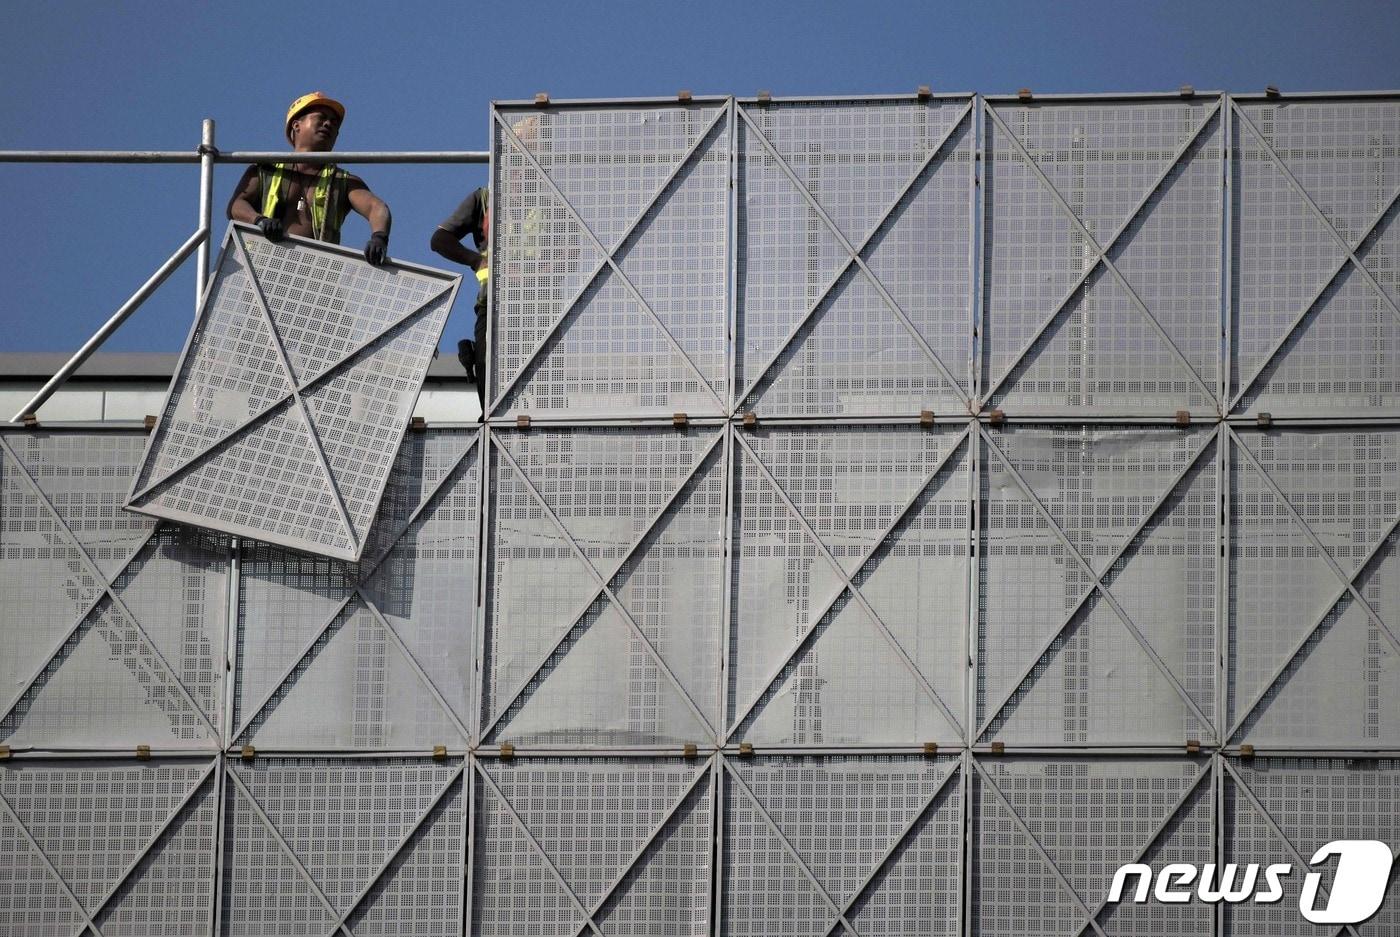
<point>898,841</point>
<point>357,592</point>
<point>990,785</point>
<point>105,588</point>
<point>90,917</point>
<point>1101,251</point>
<point>602,587</point>
<point>589,915</point>
<point>1156,832</point>
<point>848,584</point>
<point>340,924</point>
<point>1347,581</point>
<point>298,389</point>
<point>1277,831</point>
<point>854,254</point>
<point>1348,255</point>
<point>609,257</point>
<point>1098,584</point>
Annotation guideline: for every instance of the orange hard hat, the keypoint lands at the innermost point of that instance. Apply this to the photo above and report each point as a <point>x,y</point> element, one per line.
<point>308,101</point>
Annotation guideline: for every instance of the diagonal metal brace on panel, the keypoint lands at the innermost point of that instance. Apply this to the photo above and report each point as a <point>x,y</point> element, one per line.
<point>856,594</point>
<point>49,656</point>
<point>43,857</point>
<point>310,383</point>
<point>898,841</point>
<point>1098,583</point>
<point>622,561</point>
<point>1317,543</point>
<point>1276,829</point>
<point>155,838</point>
<point>413,828</point>
<point>1102,589</point>
<point>889,301</point>
<point>355,592</point>
<point>1317,212</point>
<point>1347,586</point>
<point>1206,771</point>
<point>855,251</point>
<point>1348,256</point>
<point>106,587</point>
<point>704,773</point>
<point>1040,851</point>
<point>286,848</point>
<point>1102,252</point>
<point>1102,256</point>
<point>539,851</point>
<point>606,589</point>
<point>810,630</point>
<point>354,536</point>
<point>608,259</point>
<point>791,850</point>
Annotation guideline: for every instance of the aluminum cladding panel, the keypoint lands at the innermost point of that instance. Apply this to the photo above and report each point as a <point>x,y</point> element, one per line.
<point>296,385</point>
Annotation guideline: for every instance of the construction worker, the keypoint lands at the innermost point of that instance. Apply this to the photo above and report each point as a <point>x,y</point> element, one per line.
<point>472,217</point>
<point>307,199</point>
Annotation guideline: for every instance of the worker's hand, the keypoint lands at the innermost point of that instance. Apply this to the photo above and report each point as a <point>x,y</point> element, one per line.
<point>377,250</point>
<point>271,227</point>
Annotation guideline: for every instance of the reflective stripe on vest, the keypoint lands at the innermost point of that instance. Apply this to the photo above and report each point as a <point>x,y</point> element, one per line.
<point>325,224</point>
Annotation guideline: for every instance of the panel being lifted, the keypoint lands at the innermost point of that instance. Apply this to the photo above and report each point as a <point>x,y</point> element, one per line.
<point>293,393</point>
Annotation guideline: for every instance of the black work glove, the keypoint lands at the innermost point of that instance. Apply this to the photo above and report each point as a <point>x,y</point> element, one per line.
<point>377,249</point>
<point>270,227</point>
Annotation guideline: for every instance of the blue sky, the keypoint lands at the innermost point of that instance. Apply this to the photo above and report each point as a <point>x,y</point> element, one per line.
<point>77,240</point>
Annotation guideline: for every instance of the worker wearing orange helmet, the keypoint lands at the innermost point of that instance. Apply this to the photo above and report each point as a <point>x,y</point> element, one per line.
<point>308,199</point>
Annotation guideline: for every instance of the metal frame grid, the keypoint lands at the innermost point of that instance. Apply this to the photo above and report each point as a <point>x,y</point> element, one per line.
<point>850,669</point>
<point>293,391</point>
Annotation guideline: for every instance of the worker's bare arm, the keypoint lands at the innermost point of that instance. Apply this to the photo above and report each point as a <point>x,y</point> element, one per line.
<point>369,205</point>
<point>446,245</point>
<point>246,197</point>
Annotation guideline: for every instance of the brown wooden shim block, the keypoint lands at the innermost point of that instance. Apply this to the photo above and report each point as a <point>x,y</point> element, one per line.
<point>507,751</point>
<point>542,99</point>
<point>679,420</point>
<point>1246,750</point>
<point>439,752</point>
<point>765,96</point>
<point>4,752</point>
<point>746,749</point>
<point>1266,419</point>
<point>418,424</point>
<point>1193,746</point>
<point>750,420</point>
<point>683,96</point>
<point>522,422</point>
<point>143,752</point>
<point>924,92</point>
<point>248,753</point>
<point>1025,94</point>
<point>1183,418</point>
<point>925,418</point>
<point>1272,91</point>
<point>998,748</point>
<point>1187,91</point>
<point>149,423</point>
<point>996,417</point>
<point>930,748</point>
<point>691,750</point>
<point>30,420</point>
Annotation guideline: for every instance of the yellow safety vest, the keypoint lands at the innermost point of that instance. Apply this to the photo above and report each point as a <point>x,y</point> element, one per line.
<point>329,206</point>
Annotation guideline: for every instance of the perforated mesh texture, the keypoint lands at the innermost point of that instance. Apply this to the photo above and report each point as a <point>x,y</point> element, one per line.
<point>295,389</point>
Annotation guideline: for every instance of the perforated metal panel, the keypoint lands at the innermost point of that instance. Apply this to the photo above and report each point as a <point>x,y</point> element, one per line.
<point>609,259</point>
<point>565,846</point>
<point>294,390</point>
<point>126,849</point>
<point>813,846</point>
<point>1097,610</point>
<point>849,603</point>
<point>607,547</point>
<point>112,624</point>
<point>854,281</point>
<point>360,846</point>
<point>1048,835</point>
<point>375,655</point>
<point>1283,810</point>
<point>1315,587</point>
<point>1102,256</point>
